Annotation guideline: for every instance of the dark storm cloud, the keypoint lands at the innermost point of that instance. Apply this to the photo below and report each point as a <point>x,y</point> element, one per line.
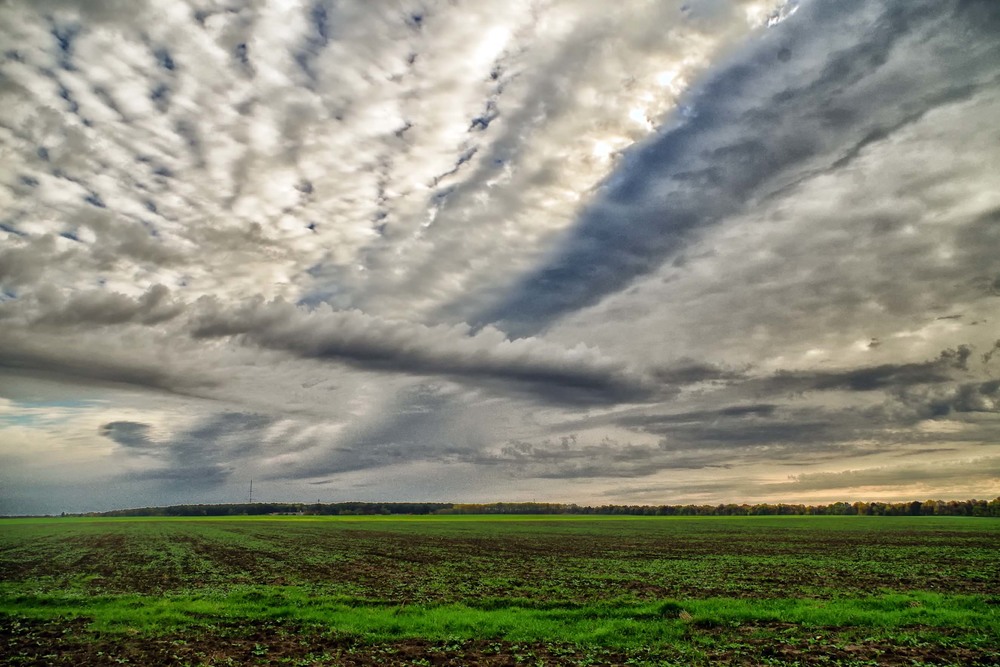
<point>37,354</point>
<point>910,393</point>
<point>759,125</point>
<point>578,374</point>
<point>203,454</point>
<point>736,411</point>
<point>805,430</point>
<point>435,434</point>
<point>988,356</point>
<point>787,431</point>
<point>693,372</point>
<point>965,399</point>
<point>871,378</point>
<point>134,435</point>
<point>754,435</point>
<point>568,459</point>
<point>181,478</point>
<point>938,374</point>
<point>572,457</point>
<point>781,434</point>
<point>432,431</point>
<point>979,241</point>
<point>424,430</point>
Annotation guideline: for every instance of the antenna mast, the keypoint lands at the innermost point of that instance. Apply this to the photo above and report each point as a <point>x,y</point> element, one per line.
<point>251,491</point>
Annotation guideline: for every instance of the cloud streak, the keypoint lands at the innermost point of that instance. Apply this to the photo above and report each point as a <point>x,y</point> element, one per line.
<point>760,124</point>
<point>398,346</point>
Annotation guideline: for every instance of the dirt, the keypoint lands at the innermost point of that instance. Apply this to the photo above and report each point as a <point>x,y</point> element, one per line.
<point>385,564</point>
<point>40,644</point>
<point>559,567</point>
<point>26,642</point>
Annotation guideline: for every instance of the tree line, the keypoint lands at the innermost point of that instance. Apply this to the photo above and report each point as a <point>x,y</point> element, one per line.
<point>974,507</point>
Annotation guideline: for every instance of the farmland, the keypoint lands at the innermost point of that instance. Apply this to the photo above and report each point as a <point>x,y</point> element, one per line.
<point>500,590</point>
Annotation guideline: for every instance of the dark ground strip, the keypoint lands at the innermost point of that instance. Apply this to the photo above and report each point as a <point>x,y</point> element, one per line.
<point>26,642</point>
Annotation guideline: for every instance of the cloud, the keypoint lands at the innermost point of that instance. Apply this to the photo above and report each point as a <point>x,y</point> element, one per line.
<point>759,125</point>
<point>988,356</point>
<point>375,343</point>
<point>431,248</point>
<point>871,378</point>
<point>691,372</point>
<point>983,470</point>
<point>736,411</point>
<point>134,435</point>
<point>205,453</point>
<point>101,307</point>
<point>966,397</point>
<point>91,359</point>
<point>808,278</point>
<point>570,459</point>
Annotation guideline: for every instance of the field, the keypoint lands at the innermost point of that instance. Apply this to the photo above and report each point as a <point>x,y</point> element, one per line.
<point>460,590</point>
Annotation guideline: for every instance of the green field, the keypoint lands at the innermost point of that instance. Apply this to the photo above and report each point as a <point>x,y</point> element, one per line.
<point>507,590</point>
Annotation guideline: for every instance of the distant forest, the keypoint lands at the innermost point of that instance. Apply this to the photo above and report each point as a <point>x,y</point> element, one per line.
<point>985,508</point>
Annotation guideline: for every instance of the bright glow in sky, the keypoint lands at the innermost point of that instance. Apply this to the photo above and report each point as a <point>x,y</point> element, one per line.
<point>648,252</point>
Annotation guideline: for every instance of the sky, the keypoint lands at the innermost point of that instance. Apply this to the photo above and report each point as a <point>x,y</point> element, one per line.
<point>641,252</point>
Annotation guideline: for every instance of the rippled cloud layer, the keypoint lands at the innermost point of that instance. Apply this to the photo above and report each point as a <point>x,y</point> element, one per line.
<point>671,251</point>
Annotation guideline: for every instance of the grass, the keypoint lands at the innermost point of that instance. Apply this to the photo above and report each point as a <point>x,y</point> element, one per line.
<point>616,625</point>
<point>646,589</point>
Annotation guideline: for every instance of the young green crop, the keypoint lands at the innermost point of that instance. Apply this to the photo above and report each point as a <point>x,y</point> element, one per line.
<point>646,587</point>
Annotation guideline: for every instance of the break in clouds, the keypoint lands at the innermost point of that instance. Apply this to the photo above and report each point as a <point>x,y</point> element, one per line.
<point>704,251</point>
